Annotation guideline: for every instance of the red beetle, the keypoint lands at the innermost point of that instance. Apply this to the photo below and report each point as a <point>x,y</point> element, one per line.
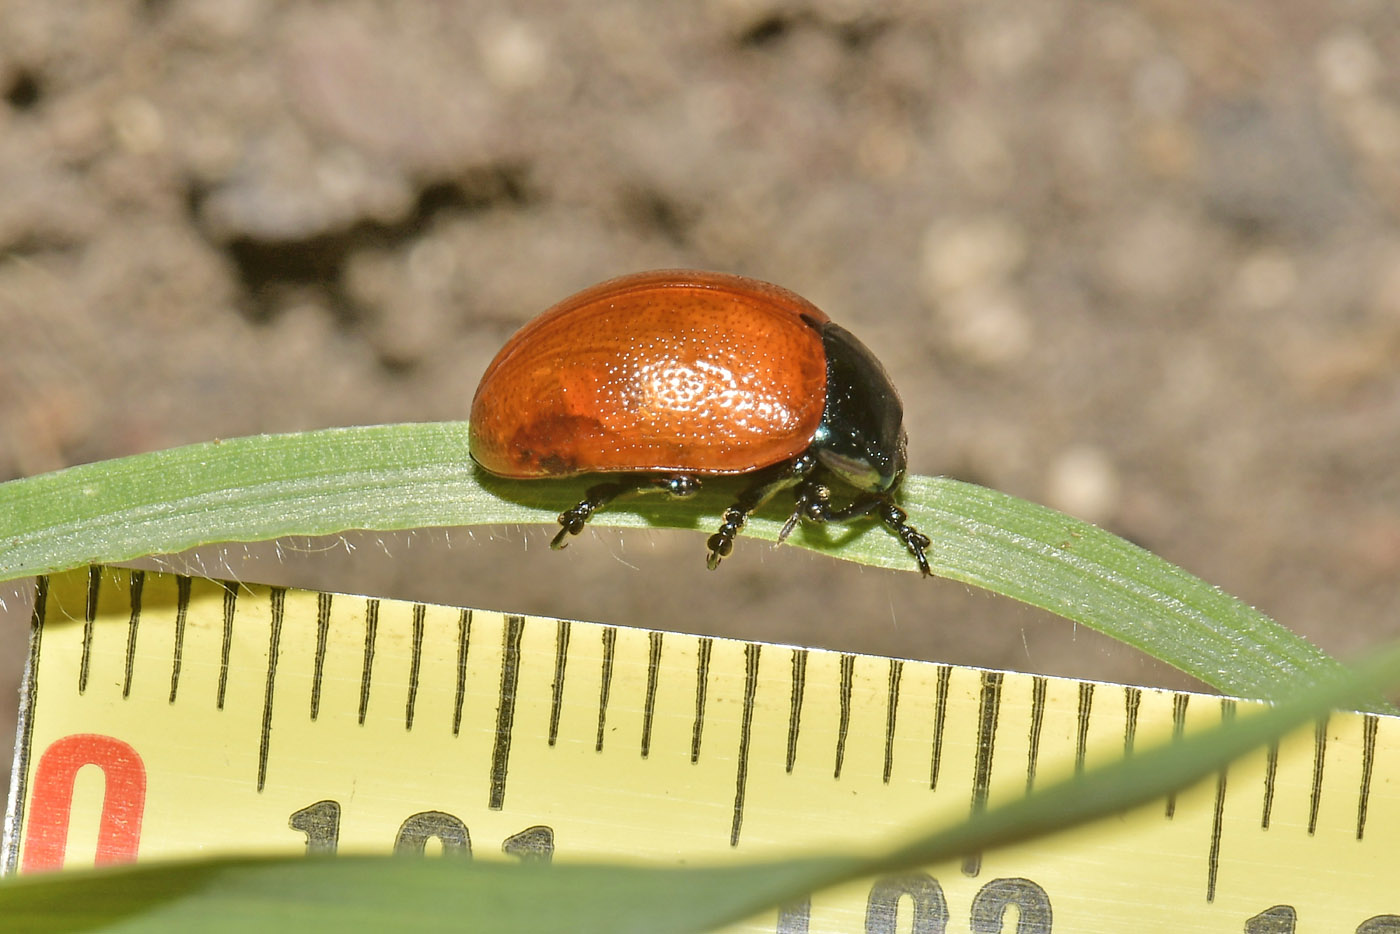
<point>665,377</point>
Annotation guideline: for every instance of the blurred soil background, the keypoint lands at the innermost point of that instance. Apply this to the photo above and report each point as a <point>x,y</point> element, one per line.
<point>1139,261</point>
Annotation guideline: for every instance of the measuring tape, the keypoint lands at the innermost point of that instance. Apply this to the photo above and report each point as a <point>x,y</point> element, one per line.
<point>165,716</point>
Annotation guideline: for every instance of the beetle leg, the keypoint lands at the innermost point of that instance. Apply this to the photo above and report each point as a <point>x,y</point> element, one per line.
<point>896,520</point>
<point>596,497</point>
<point>814,503</point>
<point>766,483</point>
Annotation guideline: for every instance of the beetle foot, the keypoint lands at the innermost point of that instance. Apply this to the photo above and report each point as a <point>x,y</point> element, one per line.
<point>764,484</point>
<point>917,544</point>
<point>594,498</point>
<point>896,520</point>
<point>722,542</point>
<point>572,522</point>
<point>814,505</point>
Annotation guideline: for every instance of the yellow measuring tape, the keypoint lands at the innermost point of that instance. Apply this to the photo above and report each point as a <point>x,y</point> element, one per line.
<point>166,716</point>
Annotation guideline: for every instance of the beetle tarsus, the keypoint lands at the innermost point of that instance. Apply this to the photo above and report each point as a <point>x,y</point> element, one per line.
<point>765,484</point>
<point>572,521</point>
<point>895,519</point>
<point>722,542</point>
<point>814,504</point>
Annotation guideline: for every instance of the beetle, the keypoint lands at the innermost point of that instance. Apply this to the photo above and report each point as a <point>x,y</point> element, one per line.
<point>660,378</point>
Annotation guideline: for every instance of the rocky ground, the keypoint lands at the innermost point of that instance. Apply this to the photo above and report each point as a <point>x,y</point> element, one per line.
<point>1139,261</point>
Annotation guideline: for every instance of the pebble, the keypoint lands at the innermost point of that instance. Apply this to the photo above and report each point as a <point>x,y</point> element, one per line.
<point>972,253</point>
<point>1083,482</point>
<point>514,56</point>
<point>1348,64</point>
<point>987,327</point>
<point>1266,279</point>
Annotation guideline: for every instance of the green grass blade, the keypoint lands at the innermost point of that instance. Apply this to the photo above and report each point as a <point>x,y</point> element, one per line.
<point>376,894</point>
<point>418,475</point>
<point>392,893</point>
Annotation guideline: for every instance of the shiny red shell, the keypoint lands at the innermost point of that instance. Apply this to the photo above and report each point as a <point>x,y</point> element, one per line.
<point>668,371</point>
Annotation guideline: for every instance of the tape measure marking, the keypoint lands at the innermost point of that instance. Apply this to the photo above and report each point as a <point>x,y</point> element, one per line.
<point>321,824</point>
<point>609,647</point>
<point>795,918</point>
<point>556,690</point>
<point>1217,823</point>
<point>55,780</point>
<point>505,710</point>
<point>702,687</point>
<point>182,609</point>
<point>654,640</point>
<point>1081,737</point>
<point>367,667</point>
<point>464,635</point>
<point>1133,701</point>
<point>89,617</point>
<point>848,667</point>
<point>415,665</point>
<point>1270,775</point>
<point>940,719</point>
<point>1319,759</point>
<point>323,631</point>
<point>19,774</point>
<point>226,647</point>
<point>891,715</point>
<point>988,706</point>
<point>778,711</point>
<point>138,582</point>
<point>799,685</point>
<point>1369,727</point>
<point>752,652</point>
<point>533,844</point>
<point>1039,685</point>
<point>279,599</point>
<point>1179,704</point>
